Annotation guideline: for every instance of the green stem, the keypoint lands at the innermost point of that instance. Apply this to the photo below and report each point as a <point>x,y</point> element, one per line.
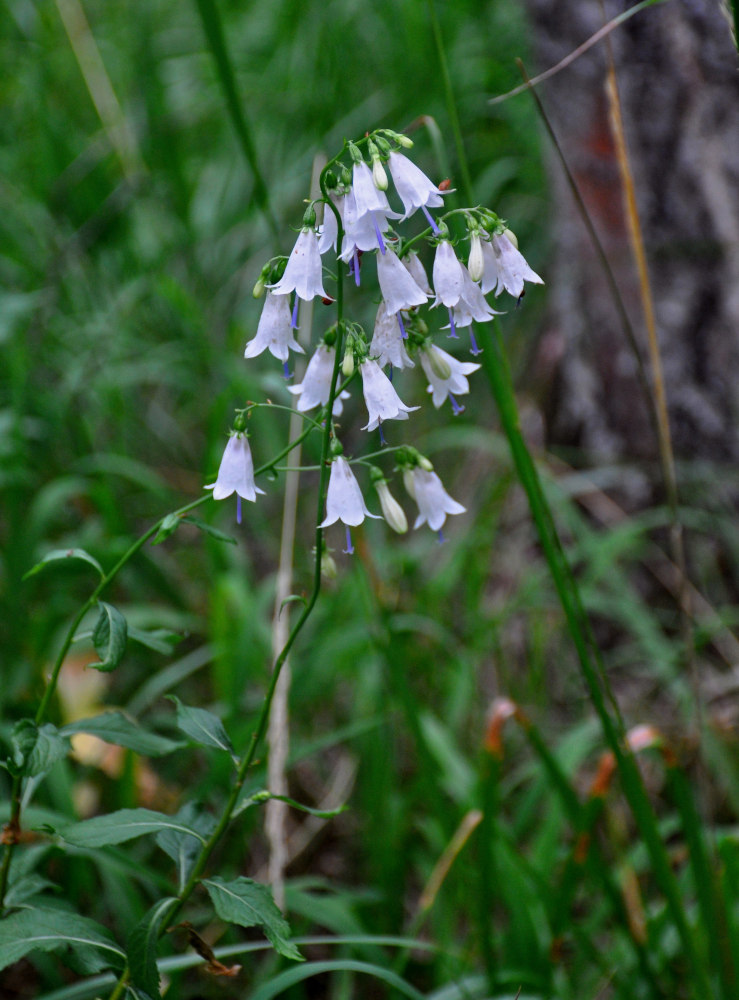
<point>261,727</point>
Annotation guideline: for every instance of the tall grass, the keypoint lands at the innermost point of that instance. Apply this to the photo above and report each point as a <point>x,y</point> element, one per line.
<point>563,856</point>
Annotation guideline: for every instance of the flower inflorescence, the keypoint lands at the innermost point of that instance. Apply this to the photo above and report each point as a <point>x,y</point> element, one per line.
<point>359,221</point>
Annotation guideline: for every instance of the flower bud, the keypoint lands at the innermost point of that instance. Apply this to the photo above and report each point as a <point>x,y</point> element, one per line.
<point>378,175</point>
<point>239,424</point>
<point>347,365</point>
<point>403,140</point>
<point>425,464</point>
<point>391,509</point>
<point>512,237</point>
<point>258,289</point>
<point>476,262</point>
<point>408,482</point>
<point>439,365</point>
<point>328,567</point>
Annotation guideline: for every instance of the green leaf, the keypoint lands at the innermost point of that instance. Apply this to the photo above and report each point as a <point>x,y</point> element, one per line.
<point>125,824</point>
<point>109,637</point>
<point>250,799</point>
<point>24,889</point>
<point>161,640</point>
<point>36,749</point>
<point>250,904</point>
<point>181,847</point>
<point>114,727</point>
<point>202,726</point>
<point>169,525</point>
<point>291,600</point>
<point>58,554</point>
<point>48,930</point>
<point>141,948</point>
<point>208,529</point>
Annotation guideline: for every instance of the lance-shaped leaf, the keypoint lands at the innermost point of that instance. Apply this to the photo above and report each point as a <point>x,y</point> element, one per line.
<point>109,637</point>
<point>141,948</point>
<point>36,748</point>
<point>58,554</point>
<point>250,904</point>
<point>114,727</point>
<point>202,726</point>
<point>181,847</point>
<point>49,930</point>
<point>125,824</point>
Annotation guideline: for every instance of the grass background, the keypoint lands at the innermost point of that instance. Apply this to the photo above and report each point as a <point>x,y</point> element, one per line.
<point>129,248</point>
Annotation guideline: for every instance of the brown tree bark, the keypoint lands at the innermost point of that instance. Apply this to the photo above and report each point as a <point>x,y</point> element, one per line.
<point>678,79</point>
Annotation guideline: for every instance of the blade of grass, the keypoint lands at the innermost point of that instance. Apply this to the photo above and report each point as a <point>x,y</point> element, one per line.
<point>495,365</point>
<point>208,11</point>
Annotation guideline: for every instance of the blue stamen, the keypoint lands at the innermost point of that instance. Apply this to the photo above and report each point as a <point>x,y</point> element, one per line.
<point>383,442</point>
<point>286,371</point>
<point>441,537</point>
<point>474,349</point>
<point>456,408</point>
<point>238,509</point>
<point>435,229</point>
<point>349,550</point>
<point>380,240</point>
<point>403,331</point>
<point>356,267</point>
<point>390,373</point>
<point>294,320</point>
<point>452,324</point>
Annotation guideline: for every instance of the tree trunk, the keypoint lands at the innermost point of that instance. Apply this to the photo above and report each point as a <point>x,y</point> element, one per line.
<point>679,86</point>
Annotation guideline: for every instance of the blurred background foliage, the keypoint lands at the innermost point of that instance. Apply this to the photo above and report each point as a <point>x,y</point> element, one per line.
<point>131,236</point>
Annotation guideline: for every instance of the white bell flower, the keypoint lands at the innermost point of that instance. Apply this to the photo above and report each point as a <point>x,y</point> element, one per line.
<point>436,363</point>
<point>387,340</point>
<point>304,272</point>
<point>275,330</point>
<point>316,385</point>
<point>398,288</point>
<point>236,473</point>
<point>413,186</point>
<point>505,267</point>
<point>328,233</point>
<point>391,509</point>
<point>434,503</point>
<point>344,500</point>
<point>383,402</point>
<point>416,270</point>
<point>447,275</point>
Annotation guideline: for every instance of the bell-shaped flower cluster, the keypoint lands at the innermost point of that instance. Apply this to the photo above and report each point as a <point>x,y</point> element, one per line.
<point>369,192</point>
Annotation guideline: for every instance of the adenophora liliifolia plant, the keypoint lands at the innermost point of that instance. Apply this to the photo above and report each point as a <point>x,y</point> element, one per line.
<point>359,222</point>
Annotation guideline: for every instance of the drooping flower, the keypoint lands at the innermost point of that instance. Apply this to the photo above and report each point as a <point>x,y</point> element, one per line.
<point>472,305</point>
<point>236,473</point>
<point>275,330</point>
<point>434,503</point>
<point>413,186</point>
<point>344,500</point>
<point>414,266</point>
<point>398,288</point>
<point>447,275</point>
<point>446,375</point>
<point>315,388</point>
<point>304,272</point>
<point>368,197</point>
<point>505,267</point>
<point>362,232</point>
<point>383,402</point>
<point>329,231</point>
<point>387,341</point>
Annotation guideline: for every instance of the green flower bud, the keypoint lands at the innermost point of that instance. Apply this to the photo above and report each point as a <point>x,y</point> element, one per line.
<point>403,140</point>
<point>336,448</point>
<point>309,218</point>
<point>512,237</point>
<point>258,289</point>
<point>239,424</point>
<point>439,365</point>
<point>408,482</point>
<point>347,365</point>
<point>475,262</point>
<point>425,464</point>
<point>328,567</point>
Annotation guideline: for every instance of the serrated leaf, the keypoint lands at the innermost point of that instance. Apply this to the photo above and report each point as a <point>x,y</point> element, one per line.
<point>202,726</point>
<point>114,727</point>
<point>169,525</point>
<point>161,640</point>
<point>249,904</point>
<point>49,930</point>
<point>208,529</point>
<point>109,637</point>
<point>125,824</point>
<point>141,948</point>
<point>36,749</point>
<point>59,554</point>
<point>180,847</point>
